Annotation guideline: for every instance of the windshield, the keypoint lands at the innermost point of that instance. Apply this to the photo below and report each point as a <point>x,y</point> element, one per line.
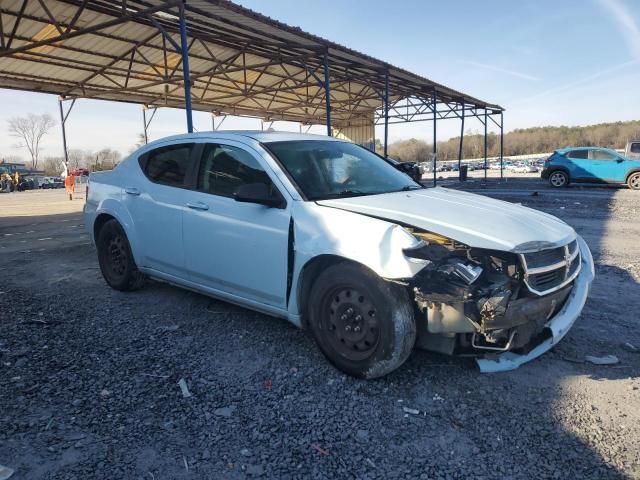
<point>325,169</point>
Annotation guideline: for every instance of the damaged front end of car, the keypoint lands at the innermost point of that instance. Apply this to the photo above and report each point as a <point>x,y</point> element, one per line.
<point>480,302</point>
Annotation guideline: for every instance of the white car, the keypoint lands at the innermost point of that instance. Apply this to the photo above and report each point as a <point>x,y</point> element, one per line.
<point>328,235</point>
<point>526,168</point>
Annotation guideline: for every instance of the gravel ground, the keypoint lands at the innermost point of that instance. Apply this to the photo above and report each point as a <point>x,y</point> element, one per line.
<point>89,376</point>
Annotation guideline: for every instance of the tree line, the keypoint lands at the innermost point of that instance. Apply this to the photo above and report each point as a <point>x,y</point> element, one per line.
<point>523,141</point>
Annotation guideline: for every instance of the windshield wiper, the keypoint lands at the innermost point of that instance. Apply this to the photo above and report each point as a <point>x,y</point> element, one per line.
<point>410,187</point>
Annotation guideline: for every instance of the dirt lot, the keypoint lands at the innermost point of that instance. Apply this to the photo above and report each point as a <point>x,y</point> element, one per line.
<point>89,376</point>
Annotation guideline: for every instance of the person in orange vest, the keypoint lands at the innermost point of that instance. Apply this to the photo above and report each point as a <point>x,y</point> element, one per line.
<point>69,184</point>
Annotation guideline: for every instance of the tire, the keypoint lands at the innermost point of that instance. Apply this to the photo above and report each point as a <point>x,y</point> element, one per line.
<point>558,179</point>
<point>116,261</point>
<point>363,325</point>
<point>634,181</point>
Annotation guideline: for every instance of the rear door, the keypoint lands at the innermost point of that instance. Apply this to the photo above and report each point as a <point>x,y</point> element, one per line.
<point>157,201</point>
<point>578,164</point>
<point>234,247</point>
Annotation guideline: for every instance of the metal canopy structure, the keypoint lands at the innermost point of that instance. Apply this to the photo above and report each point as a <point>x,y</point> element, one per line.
<point>214,56</point>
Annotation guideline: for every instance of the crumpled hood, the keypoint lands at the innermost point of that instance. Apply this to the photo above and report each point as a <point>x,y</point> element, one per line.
<point>474,220</point>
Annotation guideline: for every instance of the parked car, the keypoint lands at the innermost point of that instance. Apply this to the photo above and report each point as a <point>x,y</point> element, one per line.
<point>330,236</point>
<point>525,168</point>
<point>632,150</point>
<point>412,169</point>
<point>590,165</point>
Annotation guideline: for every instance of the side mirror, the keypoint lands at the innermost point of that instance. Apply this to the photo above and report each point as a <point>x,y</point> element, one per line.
<point>258,193</point>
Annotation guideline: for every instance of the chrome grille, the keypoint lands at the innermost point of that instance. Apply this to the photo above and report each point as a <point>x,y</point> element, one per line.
<point>549,270</point>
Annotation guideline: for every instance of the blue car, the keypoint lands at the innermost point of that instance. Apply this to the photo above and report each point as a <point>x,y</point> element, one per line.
<point>590,165</point>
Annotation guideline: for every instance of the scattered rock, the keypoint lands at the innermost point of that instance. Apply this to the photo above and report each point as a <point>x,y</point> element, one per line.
<point>362,435</point>
<point>629,347</point>
<point>224,412</point>
<point>245,452</point>
<point>255,470</point>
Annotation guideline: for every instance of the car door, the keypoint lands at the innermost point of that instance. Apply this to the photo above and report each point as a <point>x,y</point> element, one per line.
<point>235,247</point>
<point>578,164</point>
<point>156,201</point>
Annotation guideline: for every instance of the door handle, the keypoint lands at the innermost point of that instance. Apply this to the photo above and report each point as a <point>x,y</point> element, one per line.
<point>132,191</point>
<point>198,206</point>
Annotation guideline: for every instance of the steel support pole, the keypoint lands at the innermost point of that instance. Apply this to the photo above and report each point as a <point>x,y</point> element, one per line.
<point>435,146</point>
<point>144,124</point>
<point>461,139</point>
<point>485,144</point>
<point>327,91</point>
<point>63,120</point>
<point>213,122</point>
<point>501,141</point>
<point>185,69</point>
<point>386,113</point>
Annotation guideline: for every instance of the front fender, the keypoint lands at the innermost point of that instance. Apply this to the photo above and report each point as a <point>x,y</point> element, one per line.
<point>377,244</point>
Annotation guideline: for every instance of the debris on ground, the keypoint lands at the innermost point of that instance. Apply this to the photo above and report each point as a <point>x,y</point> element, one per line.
<point>224,412</point>
<point>5,472</point>
<point>182,383</point>
<point>605,360</point>
<point>167,328</point>
<point>412,411</point>
<point>630,347</point>
<point>319,449</point>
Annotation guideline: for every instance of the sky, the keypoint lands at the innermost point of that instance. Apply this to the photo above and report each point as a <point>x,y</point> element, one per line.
<point>548,62</point>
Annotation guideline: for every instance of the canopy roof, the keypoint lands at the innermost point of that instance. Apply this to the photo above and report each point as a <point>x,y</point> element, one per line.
<point>241,62</point>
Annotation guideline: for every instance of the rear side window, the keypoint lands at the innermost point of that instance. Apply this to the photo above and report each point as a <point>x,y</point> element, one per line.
<point>168,165</point>
<point>224,168</point>
<point>601,155</point>
<point>635,147</point>
<point>579,154</point>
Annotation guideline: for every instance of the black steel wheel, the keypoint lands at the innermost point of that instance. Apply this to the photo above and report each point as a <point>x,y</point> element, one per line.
<point>361,323</point>
<point>351,325</point>
<point>116,261</point>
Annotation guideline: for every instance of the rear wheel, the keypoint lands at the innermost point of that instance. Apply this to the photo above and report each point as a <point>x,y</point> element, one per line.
<point>558,179</point>
<point>115,258</point>
<point>634,181</point>
<point>364,325</point>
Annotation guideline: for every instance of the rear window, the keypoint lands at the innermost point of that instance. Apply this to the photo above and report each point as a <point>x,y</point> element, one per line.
<point>168,165</point>
<point>635,148</point>
<point>580,154</point>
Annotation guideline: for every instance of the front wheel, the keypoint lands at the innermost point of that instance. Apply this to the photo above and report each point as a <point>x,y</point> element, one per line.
<point>634,181</point>
<point>363,325</point>
<point>115,258</point>
<point>558,179</point>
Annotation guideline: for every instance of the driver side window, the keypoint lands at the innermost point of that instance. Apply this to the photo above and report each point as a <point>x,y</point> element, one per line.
<point>224,168</point>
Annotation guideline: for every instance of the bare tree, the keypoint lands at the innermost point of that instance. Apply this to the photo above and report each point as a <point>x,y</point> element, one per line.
<point>53,165</point>
<point>30,130</point>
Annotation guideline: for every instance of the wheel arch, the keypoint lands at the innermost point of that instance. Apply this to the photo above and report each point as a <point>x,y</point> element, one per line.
<point>561,168</point>
<point>309,273</point>
<point>111,209</point>
<point>631,172</point>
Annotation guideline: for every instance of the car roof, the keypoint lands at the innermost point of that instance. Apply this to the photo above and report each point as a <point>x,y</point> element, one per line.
<point>258,135</point>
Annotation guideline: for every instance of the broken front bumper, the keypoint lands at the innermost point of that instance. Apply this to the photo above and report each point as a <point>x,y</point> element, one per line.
<point>558,326</point>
